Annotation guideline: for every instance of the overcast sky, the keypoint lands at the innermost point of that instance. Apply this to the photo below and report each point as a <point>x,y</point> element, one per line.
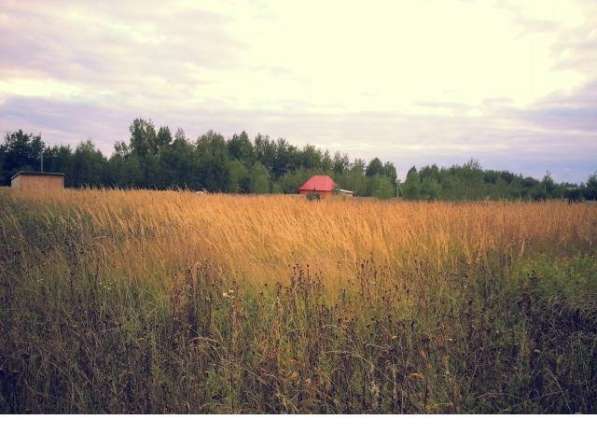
<point>512,84</point>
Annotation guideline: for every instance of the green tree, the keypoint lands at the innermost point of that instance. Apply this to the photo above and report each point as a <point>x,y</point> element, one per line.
<point>265,151</point>
<point>58,158</point>
<point>549,186</point>
<point>130,171</point>
<point>341,163</point>
<point>590,190</point>
<point>143,137</point>
<point>326,162</point>
<point>88,166</point>
<point>410,188</point>
<point>212,162</point>
<point>375,168</point>
<point>381,187</point>
<point>259,179</point>
<point>311,158</point>
<point>241,148</point>
<point>389,170</point>
<point>355,180</point>
<point>430,189</point>
<point>240,179</point>
<point>164,137</point>
<point>20,151</point>
<point>290,182</point>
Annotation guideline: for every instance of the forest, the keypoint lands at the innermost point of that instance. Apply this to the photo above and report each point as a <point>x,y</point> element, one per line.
<point>154,158</point>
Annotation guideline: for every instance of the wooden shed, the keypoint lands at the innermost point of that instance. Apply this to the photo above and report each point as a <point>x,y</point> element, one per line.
<point>37,181</point>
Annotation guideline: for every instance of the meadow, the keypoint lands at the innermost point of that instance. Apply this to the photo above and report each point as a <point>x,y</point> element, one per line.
<point>174,302</point>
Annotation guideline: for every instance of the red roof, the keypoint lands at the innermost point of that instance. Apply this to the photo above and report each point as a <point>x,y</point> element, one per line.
<point>318,183</point>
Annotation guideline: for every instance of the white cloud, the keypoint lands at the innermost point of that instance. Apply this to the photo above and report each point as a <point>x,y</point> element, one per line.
<point>399,79</point>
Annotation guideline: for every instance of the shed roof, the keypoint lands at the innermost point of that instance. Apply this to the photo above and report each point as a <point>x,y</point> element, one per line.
<point>318,183</point>
<point>36,173</point>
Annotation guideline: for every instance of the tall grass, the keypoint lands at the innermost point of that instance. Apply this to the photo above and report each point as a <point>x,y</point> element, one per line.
<point>139,301</point>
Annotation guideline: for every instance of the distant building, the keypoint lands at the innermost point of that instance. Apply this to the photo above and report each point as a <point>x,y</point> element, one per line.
<point>322,187</point>
<point>37,181</point>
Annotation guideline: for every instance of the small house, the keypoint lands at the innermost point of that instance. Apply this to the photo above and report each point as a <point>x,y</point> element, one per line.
<point>37,181</point>
<point>322,187</point>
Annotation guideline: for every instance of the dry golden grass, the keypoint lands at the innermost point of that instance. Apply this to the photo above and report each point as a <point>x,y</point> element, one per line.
<point>146,301</point>
<point>256,239</point>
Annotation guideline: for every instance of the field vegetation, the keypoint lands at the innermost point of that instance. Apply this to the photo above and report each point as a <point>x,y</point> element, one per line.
<point>170,301</point>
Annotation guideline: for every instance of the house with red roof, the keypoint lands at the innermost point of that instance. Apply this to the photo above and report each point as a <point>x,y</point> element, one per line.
<point>321,186</point>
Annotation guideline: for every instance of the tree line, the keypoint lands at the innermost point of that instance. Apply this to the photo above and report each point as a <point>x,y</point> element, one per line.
<point>154,158</point>
<point>471,182</point>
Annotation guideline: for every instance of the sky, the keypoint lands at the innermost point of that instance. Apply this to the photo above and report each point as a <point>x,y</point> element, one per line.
<point>512,84</point>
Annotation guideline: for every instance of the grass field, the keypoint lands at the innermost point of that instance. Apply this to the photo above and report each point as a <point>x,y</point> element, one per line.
<point>140,301</point>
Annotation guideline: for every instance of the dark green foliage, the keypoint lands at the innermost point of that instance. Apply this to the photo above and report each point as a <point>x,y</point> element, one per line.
<point>574,194</point>
<point>381,187</point>
<point>20,151</point>
<point>590,190</point>
<point>155,159</point>
<point>259,179</point>
<point>470,182</point>
<point>374,168</point>
<point>87,167</point>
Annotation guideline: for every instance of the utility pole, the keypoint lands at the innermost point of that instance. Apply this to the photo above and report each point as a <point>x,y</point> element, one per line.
<point>42,161</point>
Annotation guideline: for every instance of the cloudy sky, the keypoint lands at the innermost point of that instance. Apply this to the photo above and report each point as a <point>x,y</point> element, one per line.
<point>512,84</point>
